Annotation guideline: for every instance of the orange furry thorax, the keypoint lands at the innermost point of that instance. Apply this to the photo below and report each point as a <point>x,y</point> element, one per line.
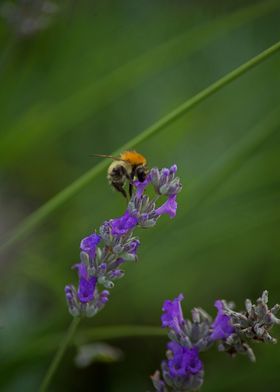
<point>133,157</point>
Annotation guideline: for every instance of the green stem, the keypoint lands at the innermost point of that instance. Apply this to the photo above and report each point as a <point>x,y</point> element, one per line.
<point>59,354</point>
<point>39,215</point>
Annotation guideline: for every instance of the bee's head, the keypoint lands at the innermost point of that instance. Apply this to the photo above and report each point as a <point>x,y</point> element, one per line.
<point>141,172</point>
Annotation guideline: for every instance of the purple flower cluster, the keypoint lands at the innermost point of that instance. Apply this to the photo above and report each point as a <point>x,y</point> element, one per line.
<point>183,368</point>
<point>103,253</point>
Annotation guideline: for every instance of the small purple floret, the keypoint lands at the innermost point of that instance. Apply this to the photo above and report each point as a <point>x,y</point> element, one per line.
<point>103,267</point>
<point>116,273</point>
<point>69,292</point>
<point>133,246</point>
<point>185,361</point>
<point>122,225</point>
<point>169,207</point>
<point>173,169</point>
<point>165,172</point>
<point>118,262</point>
<point>104,296</point>
<point>222,327</point>
<point>89,244</point>
<point>141,186</point>
<point>86,284</point>
<point>173,315</point>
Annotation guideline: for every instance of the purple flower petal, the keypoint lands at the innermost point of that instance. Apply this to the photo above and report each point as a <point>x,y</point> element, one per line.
<point>122,225</point>
<point>104,296</point>
<point>185,361</point>
<point>86,284</point>
<point>133,246</point>
<point>141,186</point>
<point>82,270</point>
<point>69,292</point>
<point>175,347</point>
<point>86,289</point>
<point>173,315</point>
<point>89,244</point>
<point>169,207</point>
<point>222,327</point>
<point>118,262</point>
<point>173,169</point>
<point>117,273</point>
<point>165,172</point>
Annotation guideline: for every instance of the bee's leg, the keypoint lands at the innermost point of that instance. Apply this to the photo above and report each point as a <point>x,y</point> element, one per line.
<point>130,188</point>
<point>119,188</point>
<point>131,178</point>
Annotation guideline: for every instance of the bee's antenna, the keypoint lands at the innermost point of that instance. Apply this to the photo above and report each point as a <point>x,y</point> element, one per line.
<point>105,156</point>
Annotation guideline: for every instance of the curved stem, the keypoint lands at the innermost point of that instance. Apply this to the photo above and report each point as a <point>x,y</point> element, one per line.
<point>39,215</point>
<point>59,354</point>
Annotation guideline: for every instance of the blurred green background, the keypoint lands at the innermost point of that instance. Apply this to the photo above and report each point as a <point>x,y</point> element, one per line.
<point>86,77</point>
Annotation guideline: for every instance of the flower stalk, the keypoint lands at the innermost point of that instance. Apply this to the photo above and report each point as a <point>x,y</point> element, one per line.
<point>59,354</point>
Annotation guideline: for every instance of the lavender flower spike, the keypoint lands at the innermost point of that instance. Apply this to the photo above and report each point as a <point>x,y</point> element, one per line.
<point>104,252</point>
<point>182,371</point>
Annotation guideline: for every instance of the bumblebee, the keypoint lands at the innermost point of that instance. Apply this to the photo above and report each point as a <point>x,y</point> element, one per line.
<point>128,166</point>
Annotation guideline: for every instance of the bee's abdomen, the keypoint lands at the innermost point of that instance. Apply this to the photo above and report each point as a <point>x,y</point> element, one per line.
<point>116,173</point>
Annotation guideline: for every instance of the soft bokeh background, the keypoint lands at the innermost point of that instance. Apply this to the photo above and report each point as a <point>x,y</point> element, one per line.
<point>85,77</point>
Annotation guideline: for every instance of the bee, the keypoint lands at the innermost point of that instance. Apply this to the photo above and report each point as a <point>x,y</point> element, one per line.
<point>128,166</point>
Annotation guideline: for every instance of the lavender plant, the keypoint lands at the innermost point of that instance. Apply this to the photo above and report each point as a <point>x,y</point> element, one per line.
<point>232,331</point>
<point>103,254</point>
